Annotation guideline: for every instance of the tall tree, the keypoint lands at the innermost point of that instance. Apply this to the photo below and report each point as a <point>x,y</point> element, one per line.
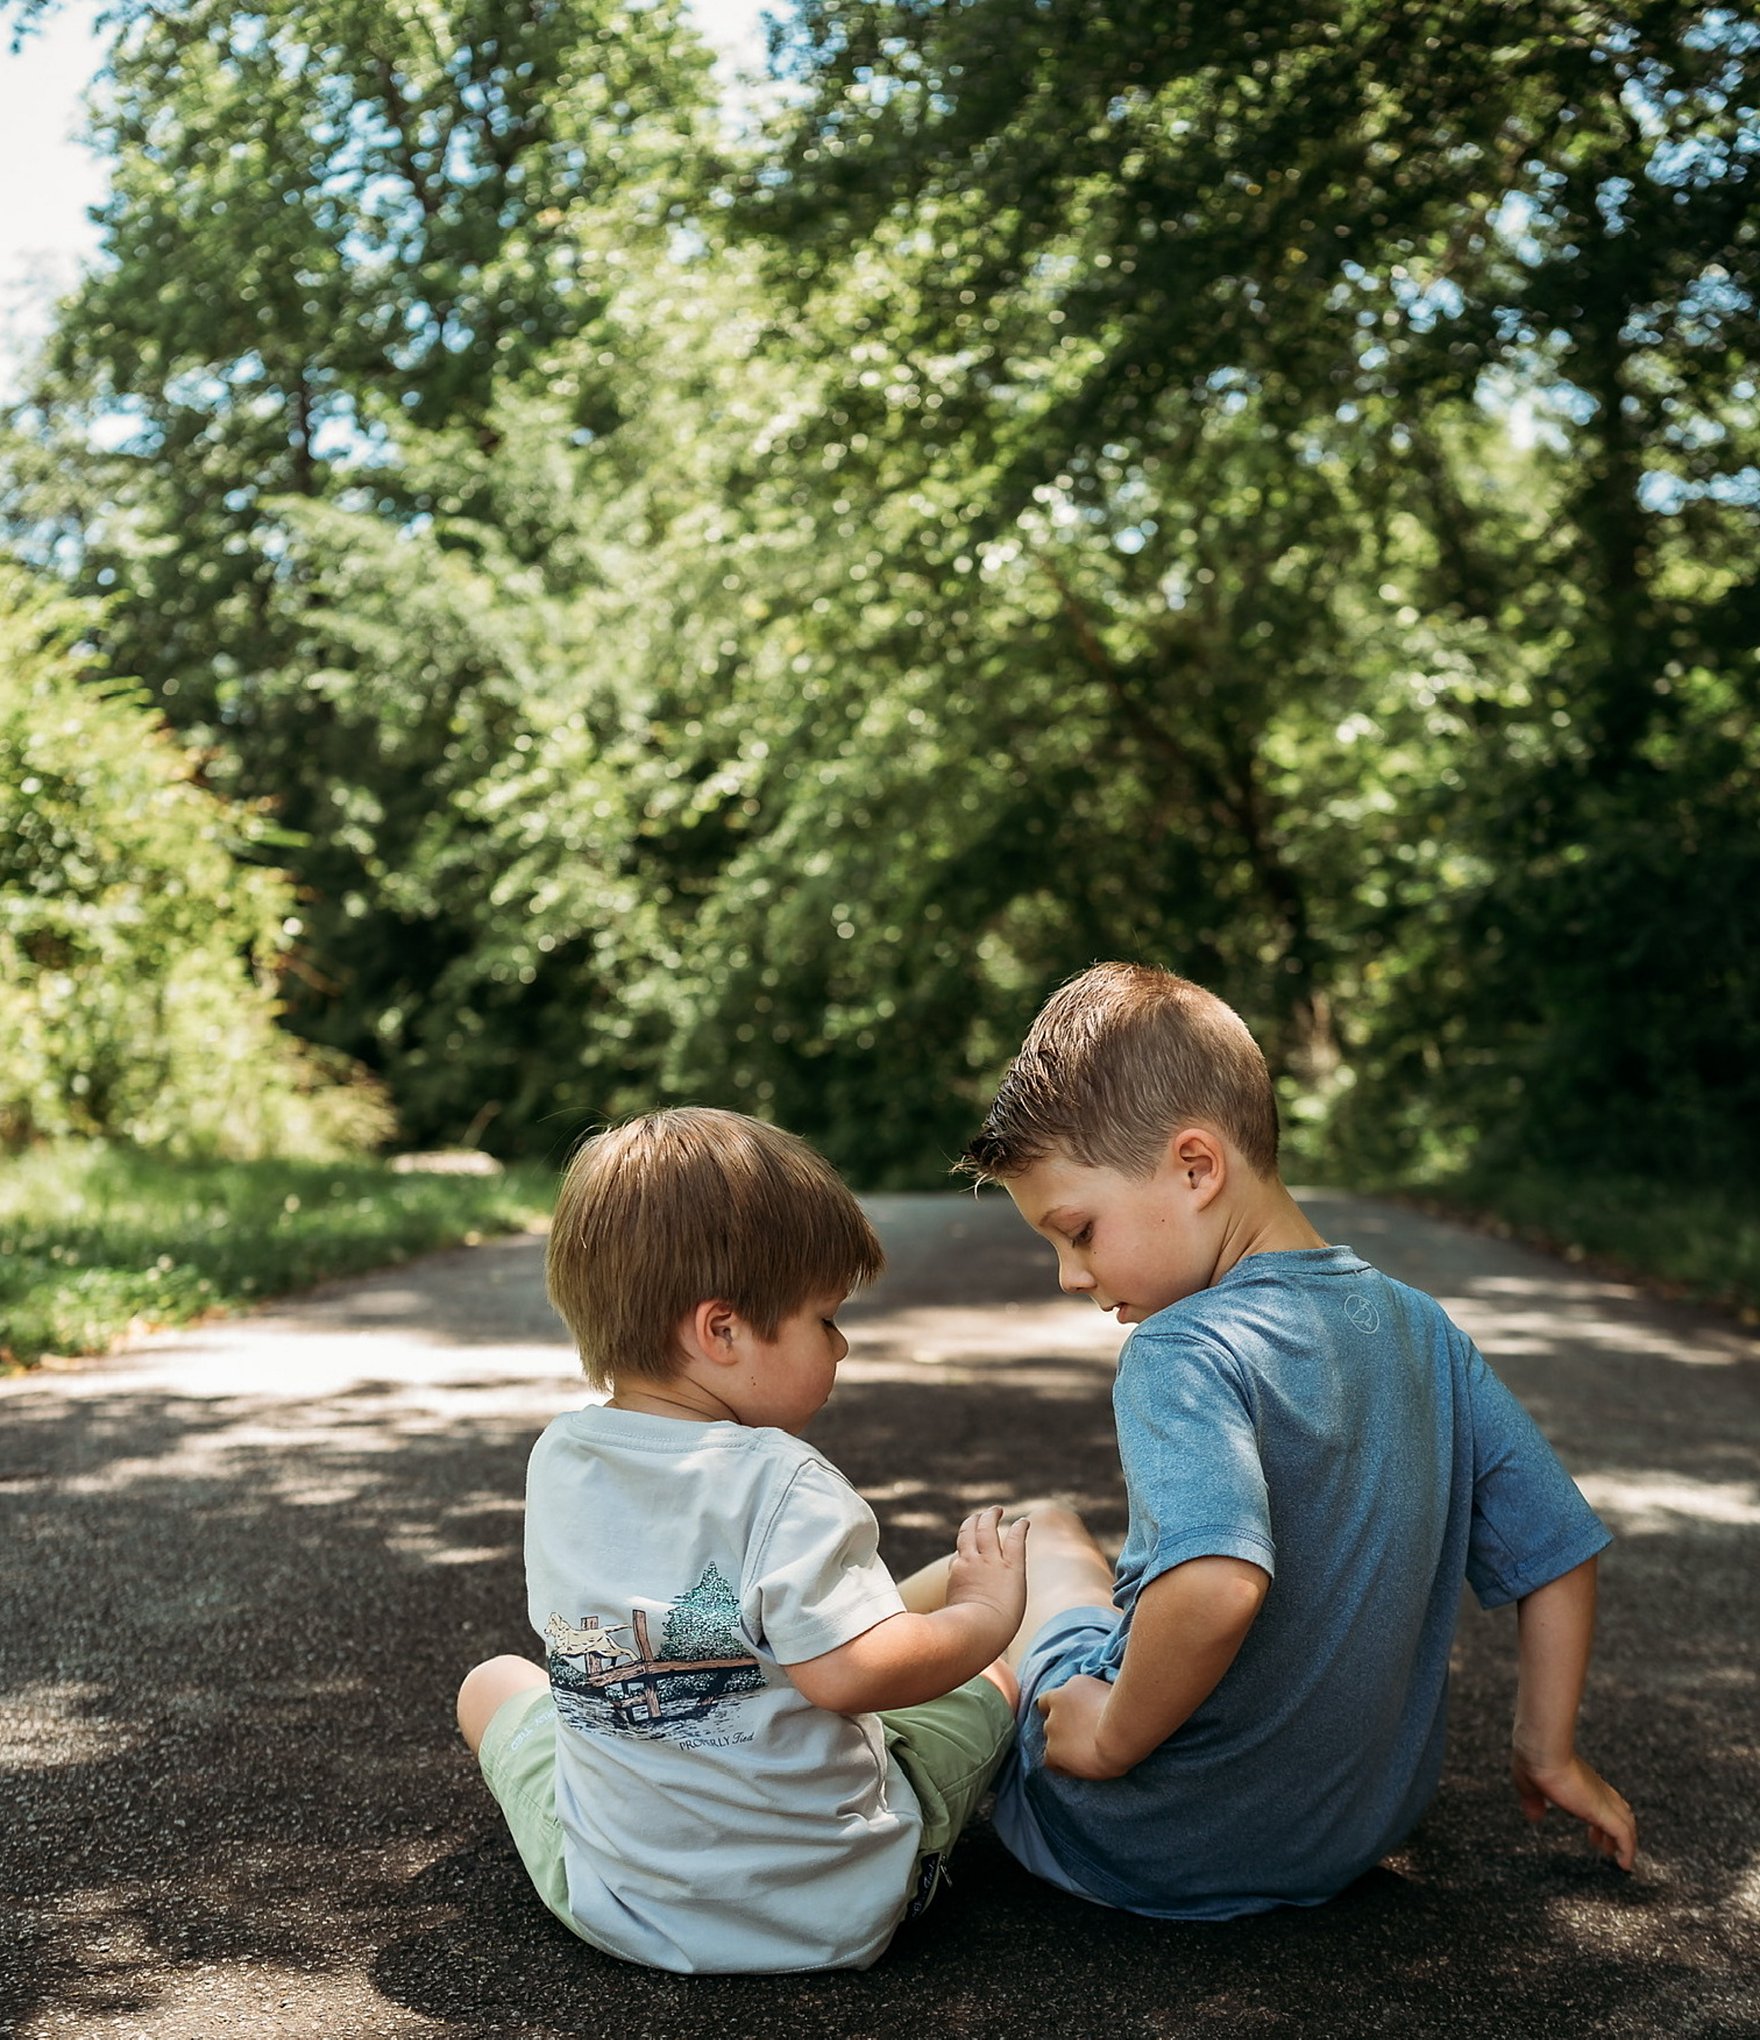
<point>343,246</point>
<point>1083,254</point>
<point>1262,488</point>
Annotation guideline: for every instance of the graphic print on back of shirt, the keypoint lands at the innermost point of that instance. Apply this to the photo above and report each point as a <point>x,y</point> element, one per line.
<point>629,1688</point>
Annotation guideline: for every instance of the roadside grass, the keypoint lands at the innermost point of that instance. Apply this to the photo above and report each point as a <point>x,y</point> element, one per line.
<point>99,1241</point>
<point>1700,1242</point>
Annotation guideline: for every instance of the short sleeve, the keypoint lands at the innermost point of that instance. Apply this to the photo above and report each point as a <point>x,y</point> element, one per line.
<point>1530,1523</point>
<point>1189,1443</point>
<point>815,1579</point>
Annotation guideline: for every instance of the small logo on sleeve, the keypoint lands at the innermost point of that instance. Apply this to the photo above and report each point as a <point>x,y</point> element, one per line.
<point>1362,1313</point>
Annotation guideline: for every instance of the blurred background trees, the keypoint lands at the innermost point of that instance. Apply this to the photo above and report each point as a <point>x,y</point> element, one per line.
<point>137,948</point>
<point>739,613</point>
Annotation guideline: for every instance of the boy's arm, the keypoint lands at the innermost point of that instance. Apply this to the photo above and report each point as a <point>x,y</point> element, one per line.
<point>1185,1631</point>
<point>908,1658</point>
<point>1555,1626</point>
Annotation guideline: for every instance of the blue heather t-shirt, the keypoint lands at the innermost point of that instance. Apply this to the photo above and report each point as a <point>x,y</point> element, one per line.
<point>1338,1429</point>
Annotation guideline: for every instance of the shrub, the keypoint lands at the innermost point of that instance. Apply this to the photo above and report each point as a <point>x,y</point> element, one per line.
<point>137,941</point>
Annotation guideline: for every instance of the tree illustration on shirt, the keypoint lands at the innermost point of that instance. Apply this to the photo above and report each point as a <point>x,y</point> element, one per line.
<point>703,1624</point>
<point>701,1666</point>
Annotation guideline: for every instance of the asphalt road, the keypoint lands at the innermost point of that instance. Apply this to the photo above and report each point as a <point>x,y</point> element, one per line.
<point>242,1569</point>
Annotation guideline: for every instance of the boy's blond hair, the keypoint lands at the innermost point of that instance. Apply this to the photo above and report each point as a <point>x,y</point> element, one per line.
<point>1118,1059</point>
<point>692,1206</point>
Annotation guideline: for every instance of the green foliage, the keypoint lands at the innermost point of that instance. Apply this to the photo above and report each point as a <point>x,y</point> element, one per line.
<point>98,1240</point>
<point>1249,296</point>
<point>1265,489</point>
<point>1589,1003</point>
<point>279,433</point>
<point>136,948</point>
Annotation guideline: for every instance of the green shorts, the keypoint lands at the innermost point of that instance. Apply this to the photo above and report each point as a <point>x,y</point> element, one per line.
<point>949,1749</point>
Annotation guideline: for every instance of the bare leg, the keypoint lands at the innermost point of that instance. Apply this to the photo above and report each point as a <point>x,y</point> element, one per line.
<point>1065,1569</point>
<point>925,1590</point>
<point>487,1687</point>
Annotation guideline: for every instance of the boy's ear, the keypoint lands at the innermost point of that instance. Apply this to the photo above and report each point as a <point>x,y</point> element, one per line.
<point>712,1332</point>
<point>1199,1158</point>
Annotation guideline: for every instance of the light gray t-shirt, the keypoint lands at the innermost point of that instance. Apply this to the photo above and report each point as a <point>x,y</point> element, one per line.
<point>712,1818</point>
<point>1338,1429</point>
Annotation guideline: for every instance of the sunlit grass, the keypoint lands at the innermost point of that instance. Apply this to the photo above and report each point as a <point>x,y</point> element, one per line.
<point>1699,1241</point>
<point>96,1241</point>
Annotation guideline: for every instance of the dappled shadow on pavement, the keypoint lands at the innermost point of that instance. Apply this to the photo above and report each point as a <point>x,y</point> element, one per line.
<point>231,1627</point>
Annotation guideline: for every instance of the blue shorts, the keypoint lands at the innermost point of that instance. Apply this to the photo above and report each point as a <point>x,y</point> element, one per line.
<point>1073,1633</point>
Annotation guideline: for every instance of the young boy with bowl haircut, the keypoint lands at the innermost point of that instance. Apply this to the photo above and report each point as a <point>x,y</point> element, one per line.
<point>749,1749</point>
<point>1249,1711</point>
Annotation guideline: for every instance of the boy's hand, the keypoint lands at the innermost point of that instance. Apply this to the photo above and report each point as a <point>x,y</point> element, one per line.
<point>920,1654</point>
<point>1071,1713</point>
<point>1185,1630</point>
<point>989,1569</point>
<point>1578,1788</point>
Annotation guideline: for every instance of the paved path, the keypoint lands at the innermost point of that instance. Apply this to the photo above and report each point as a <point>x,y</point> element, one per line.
<point>241,1570</point>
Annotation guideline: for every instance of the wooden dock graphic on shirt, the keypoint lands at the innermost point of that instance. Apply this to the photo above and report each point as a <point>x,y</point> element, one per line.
<point>629,1689</point>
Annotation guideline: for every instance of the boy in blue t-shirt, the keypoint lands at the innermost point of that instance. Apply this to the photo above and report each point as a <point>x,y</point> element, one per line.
<point>1250,1711</point>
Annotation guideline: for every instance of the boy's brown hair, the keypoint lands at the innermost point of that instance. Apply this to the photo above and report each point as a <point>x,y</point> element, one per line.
<point>1118,1059</point>
<point>690,1206</point>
